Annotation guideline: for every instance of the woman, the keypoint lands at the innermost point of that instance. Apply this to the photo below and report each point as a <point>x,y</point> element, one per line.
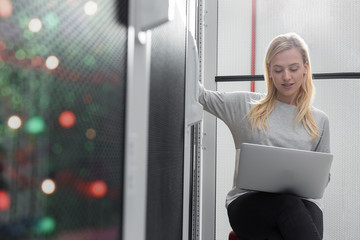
<point>283,117</point>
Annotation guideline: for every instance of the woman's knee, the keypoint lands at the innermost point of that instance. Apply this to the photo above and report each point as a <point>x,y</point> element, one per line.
<point>292,206</point>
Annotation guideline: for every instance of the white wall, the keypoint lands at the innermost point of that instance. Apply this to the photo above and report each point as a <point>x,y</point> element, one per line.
<point>332,30</point>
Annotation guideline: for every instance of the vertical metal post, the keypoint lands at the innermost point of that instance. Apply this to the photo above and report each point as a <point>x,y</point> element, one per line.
<point>143,15</point>
<point>193,112</point>
<point>136,135</point>
<point>253,42</point>
<point>209,71</point>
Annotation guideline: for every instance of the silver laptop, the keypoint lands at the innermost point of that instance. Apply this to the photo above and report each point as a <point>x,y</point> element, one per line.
<point>283,170</point>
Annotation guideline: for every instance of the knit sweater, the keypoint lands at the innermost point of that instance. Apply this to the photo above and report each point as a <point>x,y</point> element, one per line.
<point>232,108</point>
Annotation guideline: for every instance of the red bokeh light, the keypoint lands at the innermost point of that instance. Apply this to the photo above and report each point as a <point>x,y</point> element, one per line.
<point>67,119</point>
<point>36,61</point>
<point>4,201</point>
<point>98,189</point>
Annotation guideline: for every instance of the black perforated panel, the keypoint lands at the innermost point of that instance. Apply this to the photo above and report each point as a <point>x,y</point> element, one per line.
<point>62,74</point>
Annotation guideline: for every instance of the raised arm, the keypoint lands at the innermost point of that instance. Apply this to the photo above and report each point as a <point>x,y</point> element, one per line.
<point>228,106</point>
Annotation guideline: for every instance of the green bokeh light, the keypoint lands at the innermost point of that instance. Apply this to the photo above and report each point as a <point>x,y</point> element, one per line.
<point>30,53</point>
<point>41,50</point>
<point>35,125</point>
<point>89,60</point>
<point>45,225</point>
<point>16,99</point>
<point>51,20</point>
<point>5,91</point>
<point>20,54</point>
<point>7,70</point>
<point>23,21</point>
<point>28,35</point>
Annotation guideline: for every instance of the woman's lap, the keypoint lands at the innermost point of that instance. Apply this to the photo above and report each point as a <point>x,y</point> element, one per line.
<point>258,215</point>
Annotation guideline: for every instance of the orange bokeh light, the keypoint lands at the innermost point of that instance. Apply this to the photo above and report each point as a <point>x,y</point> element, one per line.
<point>6,8</point>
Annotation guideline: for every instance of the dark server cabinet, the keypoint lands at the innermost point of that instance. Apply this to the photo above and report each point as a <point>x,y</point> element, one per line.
<point>166,132</point>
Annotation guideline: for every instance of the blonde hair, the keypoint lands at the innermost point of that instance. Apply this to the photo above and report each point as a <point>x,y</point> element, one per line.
<point>260,112</point>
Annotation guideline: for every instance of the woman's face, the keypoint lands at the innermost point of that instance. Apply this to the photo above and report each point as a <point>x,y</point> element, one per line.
<point>287,71</point>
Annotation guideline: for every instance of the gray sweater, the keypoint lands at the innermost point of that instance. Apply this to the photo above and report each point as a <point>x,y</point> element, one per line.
<point>232,107</point>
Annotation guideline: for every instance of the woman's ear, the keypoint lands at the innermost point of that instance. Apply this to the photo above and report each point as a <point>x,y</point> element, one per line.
<point>269,71</point>
<point>306,66</point>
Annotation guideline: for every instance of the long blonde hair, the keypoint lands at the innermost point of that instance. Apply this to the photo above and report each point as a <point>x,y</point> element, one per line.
<point>260,112</point>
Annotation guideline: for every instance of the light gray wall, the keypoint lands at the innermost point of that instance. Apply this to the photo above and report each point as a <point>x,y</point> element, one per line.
<point>332,30</point>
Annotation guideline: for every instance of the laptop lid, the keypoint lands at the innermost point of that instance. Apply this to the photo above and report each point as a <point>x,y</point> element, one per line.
<point>283,170</point>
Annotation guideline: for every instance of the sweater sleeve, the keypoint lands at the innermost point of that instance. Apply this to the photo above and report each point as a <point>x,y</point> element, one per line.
<point>324,141</point>
<point>224,105</point>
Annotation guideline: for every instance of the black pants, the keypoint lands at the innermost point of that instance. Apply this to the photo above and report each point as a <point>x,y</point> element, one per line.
<point>260,216</point>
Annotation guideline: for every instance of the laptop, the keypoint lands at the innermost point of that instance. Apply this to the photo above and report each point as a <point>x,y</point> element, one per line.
<point>283,170</point>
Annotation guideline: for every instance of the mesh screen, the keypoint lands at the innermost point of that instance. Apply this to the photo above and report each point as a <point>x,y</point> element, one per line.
<point>62,93</point>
